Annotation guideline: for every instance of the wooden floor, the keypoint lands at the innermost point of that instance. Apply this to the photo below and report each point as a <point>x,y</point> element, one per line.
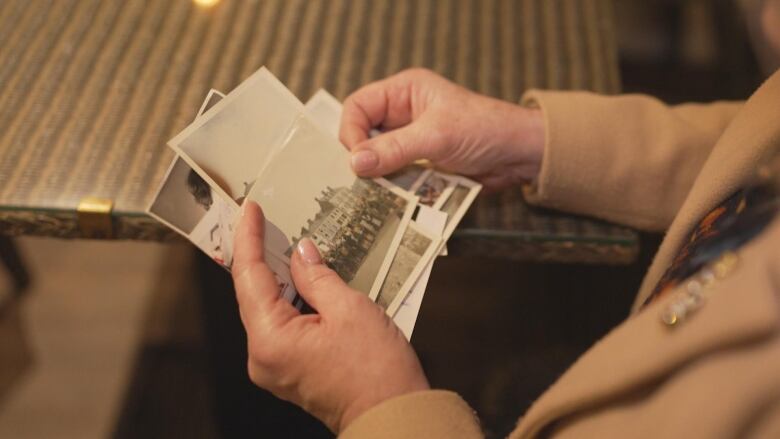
<point>69,345</point>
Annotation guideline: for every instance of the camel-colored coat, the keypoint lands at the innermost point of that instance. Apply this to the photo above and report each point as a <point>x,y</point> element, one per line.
<point>633,160</point>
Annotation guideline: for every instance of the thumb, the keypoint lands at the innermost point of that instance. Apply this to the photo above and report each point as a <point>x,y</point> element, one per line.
<point>321,287</point>
<point>391,151</point>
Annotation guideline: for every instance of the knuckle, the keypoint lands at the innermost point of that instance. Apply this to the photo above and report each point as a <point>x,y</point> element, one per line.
<point>419,72</point>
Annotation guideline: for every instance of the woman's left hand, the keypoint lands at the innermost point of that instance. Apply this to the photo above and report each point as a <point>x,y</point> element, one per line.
<point>335,364</point>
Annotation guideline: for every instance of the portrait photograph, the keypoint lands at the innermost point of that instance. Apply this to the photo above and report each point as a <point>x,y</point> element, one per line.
<point>433,188</point>
<point>190,206</point>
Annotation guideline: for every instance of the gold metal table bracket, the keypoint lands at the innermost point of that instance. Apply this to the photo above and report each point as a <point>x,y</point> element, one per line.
<point>94,217</point>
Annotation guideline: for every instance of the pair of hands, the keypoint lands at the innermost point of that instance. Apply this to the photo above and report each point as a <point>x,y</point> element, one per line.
<point>350,356</point>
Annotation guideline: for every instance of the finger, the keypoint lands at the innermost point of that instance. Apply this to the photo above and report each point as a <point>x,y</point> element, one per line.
<point>248,239</point>
<point>393,150</point>
<point>257,290</point>
<point>320,286</point>
<point>383,103</point>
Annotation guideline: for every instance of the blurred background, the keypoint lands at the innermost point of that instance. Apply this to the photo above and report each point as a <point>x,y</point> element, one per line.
<point>128,340</point>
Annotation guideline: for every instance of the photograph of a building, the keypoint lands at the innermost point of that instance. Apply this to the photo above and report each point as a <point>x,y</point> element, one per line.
<point>308,189</point>
<point>351,220</point>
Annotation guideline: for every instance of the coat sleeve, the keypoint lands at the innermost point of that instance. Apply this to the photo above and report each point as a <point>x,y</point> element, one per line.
<point>629,159</point>
<point>429,414</point>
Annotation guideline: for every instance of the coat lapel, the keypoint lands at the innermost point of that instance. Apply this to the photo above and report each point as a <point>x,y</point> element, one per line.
<point>752,135</point>
<point>642,349</point>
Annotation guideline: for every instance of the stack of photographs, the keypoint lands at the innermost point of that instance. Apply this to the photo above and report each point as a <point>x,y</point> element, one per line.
<point>260,143</point>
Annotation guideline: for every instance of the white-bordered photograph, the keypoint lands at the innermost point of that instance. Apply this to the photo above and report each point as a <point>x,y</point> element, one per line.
<point>464,193</point>
<point>309,190</point>
<point>325,111</point>
<point>433,188</point>
<point>189,205</point>
<point>433,221</point>
<point>416,250</point>
<point>212,97</point>
<point>234,139</point>
<point>279,265</point>
<point>186,203</point>
<point>198,213</point>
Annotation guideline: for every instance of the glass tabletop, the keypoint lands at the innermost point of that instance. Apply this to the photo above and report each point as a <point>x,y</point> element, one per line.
<point>90,91</point>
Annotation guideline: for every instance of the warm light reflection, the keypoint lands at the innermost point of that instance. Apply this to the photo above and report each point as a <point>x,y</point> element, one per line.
<point>205,3</point>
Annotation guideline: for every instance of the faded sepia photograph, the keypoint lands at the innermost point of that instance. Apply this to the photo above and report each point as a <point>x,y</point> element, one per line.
<point>187,203</point>
<point>234,139</point>
<point>325,111</point>
<point>415,251</point>
<point>432,221</point>
<point>433,188</point>
<point>463,194</point>
<point>309,190</point>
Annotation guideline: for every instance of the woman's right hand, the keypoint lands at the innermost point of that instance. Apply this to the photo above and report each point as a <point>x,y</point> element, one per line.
<point>424,116</point>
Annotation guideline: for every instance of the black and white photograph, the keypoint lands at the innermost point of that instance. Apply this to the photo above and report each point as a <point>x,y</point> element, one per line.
<point>187,203</point>
<point>414,253</point>
<point>432,221</point>
<point>309,190</point>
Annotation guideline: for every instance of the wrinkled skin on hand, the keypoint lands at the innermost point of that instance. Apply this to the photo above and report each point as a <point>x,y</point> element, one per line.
<point>335,364</point>
<point>424,116</point>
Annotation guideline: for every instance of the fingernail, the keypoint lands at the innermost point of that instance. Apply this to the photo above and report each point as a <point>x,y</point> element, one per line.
<point>243,207</point>
<point>309,251</point>
<point>364,161</point>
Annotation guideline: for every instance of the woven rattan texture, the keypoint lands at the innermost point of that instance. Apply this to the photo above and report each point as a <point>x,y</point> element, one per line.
<point>90,90</point>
